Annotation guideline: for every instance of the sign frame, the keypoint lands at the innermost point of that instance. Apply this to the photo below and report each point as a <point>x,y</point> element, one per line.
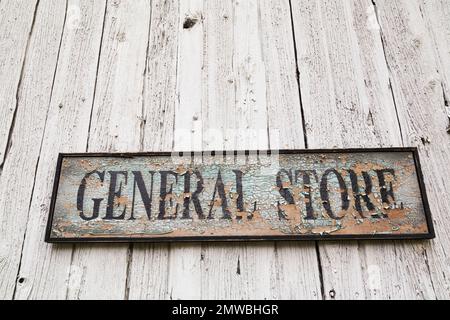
<point>310,237</point>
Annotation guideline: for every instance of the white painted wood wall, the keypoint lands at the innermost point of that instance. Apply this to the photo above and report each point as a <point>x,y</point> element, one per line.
<point>126,75</point>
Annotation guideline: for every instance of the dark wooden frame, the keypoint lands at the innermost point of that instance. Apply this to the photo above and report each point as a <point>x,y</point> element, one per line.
<point>430,235</point>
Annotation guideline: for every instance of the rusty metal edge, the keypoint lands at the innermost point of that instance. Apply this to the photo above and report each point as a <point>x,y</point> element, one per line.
<point>382,237</point>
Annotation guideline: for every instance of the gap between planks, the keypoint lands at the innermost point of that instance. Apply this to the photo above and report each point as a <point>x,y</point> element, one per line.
<point>12,129</point>
<point>141,142</point>
<point>5,152</point>
<point>130,261</point>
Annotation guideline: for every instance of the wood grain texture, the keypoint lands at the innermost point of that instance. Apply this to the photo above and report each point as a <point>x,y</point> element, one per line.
<point>160,96</point>
<point>418,73</point>
<point>286,131</point>
<point>234,116</point>
<point>184,280</point>
<point>370,74</point>
<point>46,269</point>
<point>16,22</point>
<point>117,119</point>
<point>228,112</point>
<point>436,15</point>
<point>347,102</point>
<point>16,188</point>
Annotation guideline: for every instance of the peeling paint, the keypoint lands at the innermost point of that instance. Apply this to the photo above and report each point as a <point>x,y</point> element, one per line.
<point>310,194</point>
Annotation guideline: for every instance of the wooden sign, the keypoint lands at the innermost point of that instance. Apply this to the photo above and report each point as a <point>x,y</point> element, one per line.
<point>286,195</point>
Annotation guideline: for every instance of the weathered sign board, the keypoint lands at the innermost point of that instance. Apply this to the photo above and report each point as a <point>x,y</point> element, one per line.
<point>283,195</point>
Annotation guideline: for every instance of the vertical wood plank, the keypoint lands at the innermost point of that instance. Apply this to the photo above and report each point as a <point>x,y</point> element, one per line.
<point>45,268</point>
<point>16,20</point>
<point>20,164</point>
<point>347,102</point>
<point>117,119</point>
<point>436,15</point>
<point>184,280</point>
<point>222,74</point>
<point>415,283</point>
<point>233,272</point>
<point>285,125</point>
<point>222,275</point>
<point>242,70</point>
<point>418,74</point>
<point>234,118</point>
<point>148,277</point>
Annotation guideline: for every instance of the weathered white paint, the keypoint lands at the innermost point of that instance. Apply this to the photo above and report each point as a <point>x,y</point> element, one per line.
<point>184,278</point>
<point>219,263</point>
<point>16,21</point>
<point>416,71</point>
<point>47,268</point>
<point>436,15</point>
<point>347,101</point>
<point>235,118</point>
<point>263,76</point>
<point>237,52</point>
<point>284,107</point>
<point>16,187</point>
<point>117,118</point>
<point>159,100</point>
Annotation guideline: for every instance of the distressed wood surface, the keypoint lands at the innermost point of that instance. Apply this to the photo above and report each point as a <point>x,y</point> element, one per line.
<point>255,72</point>
<point>159,110</point>
<point>365,79</point>
<point>159,100</point>
<point>184,280</point>
<point>350,92</point>
<point>436,16</point>
<point>23,157</point>
<point>116,125</point>
<point>235,100</point>
<point>418,77</point>
<point>46,270</point>
<point>16,23</point>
